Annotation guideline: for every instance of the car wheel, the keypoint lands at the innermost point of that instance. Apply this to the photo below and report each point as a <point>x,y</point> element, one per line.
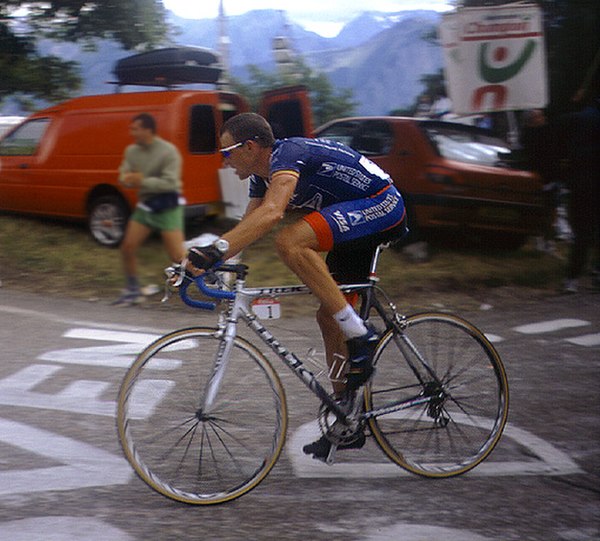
<point>107,219</point>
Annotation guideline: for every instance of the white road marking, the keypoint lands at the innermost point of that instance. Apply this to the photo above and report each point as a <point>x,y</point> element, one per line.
<point>61,529</point>
<point>551,461</point>
<point>421,532</point>
<point>551,326</point>
<point>114,355</point>
<point>48,316</point>
<point>587,340</point>
<point>82,465</point>
<point>494,338</point>
<point>82,396</point>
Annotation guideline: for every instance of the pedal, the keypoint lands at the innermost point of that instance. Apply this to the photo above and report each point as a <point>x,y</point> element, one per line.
<point>331,455</point>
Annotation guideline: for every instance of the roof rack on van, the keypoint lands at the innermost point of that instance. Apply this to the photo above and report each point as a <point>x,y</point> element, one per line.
<point>169,67</point>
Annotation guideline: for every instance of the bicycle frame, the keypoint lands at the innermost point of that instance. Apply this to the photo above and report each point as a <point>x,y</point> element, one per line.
<point>240,299</point>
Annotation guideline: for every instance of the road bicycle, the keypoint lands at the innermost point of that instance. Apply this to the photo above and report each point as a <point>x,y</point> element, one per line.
<point>202,414</point>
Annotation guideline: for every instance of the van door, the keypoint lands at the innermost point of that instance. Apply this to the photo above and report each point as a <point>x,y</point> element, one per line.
<point>20,158</point>
<point>288,111</point>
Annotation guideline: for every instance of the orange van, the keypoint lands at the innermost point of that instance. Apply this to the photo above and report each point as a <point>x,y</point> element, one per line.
<point>63,161</point>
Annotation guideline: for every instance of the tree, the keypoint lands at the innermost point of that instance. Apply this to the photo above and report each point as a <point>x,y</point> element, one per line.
<point>28,74</point>
<point>326,103</point>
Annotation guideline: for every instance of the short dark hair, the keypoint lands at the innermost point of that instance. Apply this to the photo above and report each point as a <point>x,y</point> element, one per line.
<point>146,120</point>
<point>247,126</point>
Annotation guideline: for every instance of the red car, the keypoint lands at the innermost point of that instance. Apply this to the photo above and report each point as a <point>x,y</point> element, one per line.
<point>452,176</point>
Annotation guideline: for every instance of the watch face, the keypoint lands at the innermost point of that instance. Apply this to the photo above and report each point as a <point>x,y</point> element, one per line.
<point>222,245</point>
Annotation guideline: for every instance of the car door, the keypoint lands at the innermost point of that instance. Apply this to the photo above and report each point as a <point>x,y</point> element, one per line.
<point>21,153</point>
<point>288,111</point>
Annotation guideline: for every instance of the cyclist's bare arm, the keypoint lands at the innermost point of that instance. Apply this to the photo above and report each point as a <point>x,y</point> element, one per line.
<point>262,214</point>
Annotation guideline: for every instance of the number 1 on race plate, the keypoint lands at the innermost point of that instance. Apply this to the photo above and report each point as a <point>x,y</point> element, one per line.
<point>266,308</point>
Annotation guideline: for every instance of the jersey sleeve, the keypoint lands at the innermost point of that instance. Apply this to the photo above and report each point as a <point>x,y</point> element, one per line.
<point>287,156</point>
<point>257,187</point>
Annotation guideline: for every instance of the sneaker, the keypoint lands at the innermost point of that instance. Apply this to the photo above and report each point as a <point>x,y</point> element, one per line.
<point>360,358</point>
<point>129,297</point>
<point>149,290</point>
<point>570,285</point>
<point>320,449</point>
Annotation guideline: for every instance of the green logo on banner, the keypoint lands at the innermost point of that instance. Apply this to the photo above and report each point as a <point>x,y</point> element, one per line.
<point>499,75</point>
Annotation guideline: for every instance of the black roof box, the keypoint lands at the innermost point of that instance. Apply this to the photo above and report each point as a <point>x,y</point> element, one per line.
<point>172,66</point>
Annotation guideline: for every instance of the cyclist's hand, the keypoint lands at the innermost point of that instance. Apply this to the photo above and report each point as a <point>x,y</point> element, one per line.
<point>202,258</point>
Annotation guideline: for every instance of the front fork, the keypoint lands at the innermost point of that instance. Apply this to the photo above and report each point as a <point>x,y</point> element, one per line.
<point>226,335</point>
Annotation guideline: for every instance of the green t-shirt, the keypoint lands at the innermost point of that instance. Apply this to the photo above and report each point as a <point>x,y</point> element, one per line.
<point>160,164</point>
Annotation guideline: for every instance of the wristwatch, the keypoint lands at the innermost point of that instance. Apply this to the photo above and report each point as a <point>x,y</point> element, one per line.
<point>221,245</point>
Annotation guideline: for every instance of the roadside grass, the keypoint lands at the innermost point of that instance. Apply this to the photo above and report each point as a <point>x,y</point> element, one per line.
<point>60,258</point>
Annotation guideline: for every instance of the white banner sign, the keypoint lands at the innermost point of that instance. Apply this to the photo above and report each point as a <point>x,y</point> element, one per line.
<point>495,59</point>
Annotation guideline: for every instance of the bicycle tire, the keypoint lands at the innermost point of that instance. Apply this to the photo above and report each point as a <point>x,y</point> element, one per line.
<point>184,453</point>
<point>466,409</point>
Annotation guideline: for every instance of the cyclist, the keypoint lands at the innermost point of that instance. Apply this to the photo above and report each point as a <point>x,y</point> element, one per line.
<point>355,207</point>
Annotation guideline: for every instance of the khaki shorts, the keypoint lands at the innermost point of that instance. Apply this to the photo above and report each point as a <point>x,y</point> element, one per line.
<point>167,220</point>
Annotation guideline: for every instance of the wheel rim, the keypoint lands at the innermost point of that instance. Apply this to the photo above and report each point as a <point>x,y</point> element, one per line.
<point>185,453</point>
<point>107,223</point>
<point>459,413</point>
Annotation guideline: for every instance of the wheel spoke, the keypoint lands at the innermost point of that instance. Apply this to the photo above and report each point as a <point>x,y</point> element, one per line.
<point>189,455</point>
<point>464,382</point>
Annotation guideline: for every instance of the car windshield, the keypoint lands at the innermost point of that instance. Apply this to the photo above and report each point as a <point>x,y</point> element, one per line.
<point>372,137</point>
<point>465,144</point>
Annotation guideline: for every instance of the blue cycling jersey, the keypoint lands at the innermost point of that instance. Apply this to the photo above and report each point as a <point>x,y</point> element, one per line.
<point>330,172</point>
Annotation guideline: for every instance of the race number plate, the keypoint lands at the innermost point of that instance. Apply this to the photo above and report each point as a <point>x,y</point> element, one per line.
<point>266,308</point>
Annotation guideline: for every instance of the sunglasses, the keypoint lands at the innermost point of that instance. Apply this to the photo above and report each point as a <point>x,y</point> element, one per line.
<point>226,152</point>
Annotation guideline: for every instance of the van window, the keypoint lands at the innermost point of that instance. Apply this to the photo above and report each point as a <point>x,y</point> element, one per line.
<point>203,130</point>
<point>24,140</point>
<point>286,119</point>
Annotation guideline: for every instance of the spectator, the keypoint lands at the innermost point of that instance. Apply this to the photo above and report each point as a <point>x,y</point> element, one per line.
<point>442,107</point>
<point>583,131</point>
<point>152,166</point>
<point>543,154</point>
<point>423,106</point>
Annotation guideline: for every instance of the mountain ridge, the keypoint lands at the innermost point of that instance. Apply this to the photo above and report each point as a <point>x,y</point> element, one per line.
<point>378,56</point>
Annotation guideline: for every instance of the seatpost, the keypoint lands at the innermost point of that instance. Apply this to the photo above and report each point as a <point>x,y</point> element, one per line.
<point>373,278</point>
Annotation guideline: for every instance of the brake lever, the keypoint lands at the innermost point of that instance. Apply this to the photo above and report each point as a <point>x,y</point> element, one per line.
<point>175,276</point>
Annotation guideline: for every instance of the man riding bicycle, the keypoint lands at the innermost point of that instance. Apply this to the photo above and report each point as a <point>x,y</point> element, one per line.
<point>355,208</point>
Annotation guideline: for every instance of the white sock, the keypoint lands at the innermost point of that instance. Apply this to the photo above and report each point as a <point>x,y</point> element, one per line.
<point>349,322</point>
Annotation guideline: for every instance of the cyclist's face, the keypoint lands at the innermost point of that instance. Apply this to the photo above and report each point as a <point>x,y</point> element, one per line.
<point>240,158</point>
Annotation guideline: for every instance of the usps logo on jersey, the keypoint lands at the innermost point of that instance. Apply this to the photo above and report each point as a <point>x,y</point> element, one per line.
<point>357,217</point>
<point>341,221</point>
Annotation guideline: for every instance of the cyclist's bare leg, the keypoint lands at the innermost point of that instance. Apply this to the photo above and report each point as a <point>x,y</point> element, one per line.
<point>335,349</point>
<point>298,247</point>
<point>135,234</point>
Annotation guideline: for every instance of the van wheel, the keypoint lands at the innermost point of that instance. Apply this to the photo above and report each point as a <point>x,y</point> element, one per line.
<point>107,220</point>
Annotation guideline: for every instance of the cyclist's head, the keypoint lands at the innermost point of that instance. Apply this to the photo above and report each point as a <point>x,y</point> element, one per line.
<point>249,126</point>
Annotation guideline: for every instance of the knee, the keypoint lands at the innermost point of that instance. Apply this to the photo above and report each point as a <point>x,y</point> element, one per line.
<point>285,245</point>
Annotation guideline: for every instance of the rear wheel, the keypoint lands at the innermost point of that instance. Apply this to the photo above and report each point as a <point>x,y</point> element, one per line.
<point>442,392</point>
<point>107,219</point>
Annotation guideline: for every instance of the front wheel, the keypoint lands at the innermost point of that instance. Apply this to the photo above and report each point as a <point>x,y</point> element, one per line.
<point>439,395</point>
<point>184,451</point>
